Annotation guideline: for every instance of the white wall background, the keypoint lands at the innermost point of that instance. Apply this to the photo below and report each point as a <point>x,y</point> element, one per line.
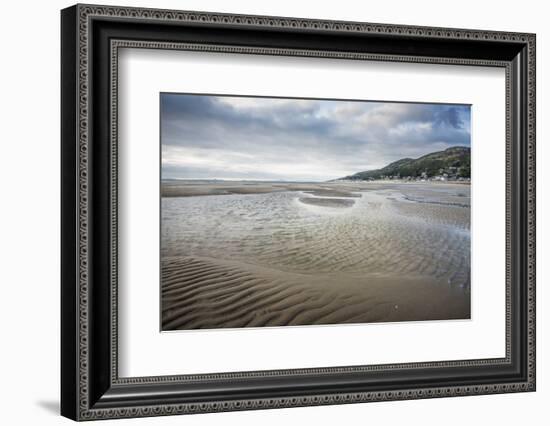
<point>29,212</point>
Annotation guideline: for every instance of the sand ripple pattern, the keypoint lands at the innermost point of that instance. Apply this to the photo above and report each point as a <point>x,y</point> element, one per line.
<point>208,293</point>
<point>254,259</point>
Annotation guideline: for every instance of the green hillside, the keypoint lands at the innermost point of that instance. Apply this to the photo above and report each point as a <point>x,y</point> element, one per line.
<point>454,162</point>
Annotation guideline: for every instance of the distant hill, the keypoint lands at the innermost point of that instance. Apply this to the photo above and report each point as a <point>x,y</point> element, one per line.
<point>455,162</point>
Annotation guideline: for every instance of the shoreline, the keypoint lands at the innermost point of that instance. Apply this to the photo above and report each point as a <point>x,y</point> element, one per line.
<point>324,189</point>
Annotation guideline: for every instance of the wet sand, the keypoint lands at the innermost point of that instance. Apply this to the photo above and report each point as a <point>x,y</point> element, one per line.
<point>194,188</point>
<point>328,202</point>
<point>255,255</point>
<point>222,294</point>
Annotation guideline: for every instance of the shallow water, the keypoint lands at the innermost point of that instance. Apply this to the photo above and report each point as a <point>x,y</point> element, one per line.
<point>392,230</point>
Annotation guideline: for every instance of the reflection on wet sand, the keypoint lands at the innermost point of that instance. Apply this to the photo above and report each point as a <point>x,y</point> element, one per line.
<point>237,254</point>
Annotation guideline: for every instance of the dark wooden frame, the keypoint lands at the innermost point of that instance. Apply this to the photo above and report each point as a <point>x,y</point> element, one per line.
<point>91,37</point>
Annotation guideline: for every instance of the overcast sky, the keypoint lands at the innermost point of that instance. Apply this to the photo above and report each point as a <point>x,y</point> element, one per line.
<point>224,137</point>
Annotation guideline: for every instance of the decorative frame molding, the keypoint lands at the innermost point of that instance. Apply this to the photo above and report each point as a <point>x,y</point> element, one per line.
<point>91,37</point>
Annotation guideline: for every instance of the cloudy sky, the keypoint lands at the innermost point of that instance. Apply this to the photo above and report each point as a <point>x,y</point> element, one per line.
<point>249,138</point>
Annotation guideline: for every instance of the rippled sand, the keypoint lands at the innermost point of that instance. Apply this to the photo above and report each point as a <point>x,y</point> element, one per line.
<point>301,254</point>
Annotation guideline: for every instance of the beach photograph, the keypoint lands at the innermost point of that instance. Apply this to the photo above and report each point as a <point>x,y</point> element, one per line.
<point>305,212</point>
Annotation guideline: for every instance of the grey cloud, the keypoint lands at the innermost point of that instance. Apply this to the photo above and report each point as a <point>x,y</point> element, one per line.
<point>291,140</point>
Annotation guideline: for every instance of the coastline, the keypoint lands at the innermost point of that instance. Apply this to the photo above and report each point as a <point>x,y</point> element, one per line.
<point>343,188</point>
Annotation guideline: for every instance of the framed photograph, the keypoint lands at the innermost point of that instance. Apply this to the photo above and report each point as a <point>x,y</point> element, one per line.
<point>263,212</point>
<point>262,224</point>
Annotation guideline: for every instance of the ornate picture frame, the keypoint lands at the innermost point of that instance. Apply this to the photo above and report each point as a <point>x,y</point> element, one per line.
<point>91,37</point>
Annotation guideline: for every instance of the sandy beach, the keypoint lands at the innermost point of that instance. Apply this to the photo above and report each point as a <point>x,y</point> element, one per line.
<point>251,254</point>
